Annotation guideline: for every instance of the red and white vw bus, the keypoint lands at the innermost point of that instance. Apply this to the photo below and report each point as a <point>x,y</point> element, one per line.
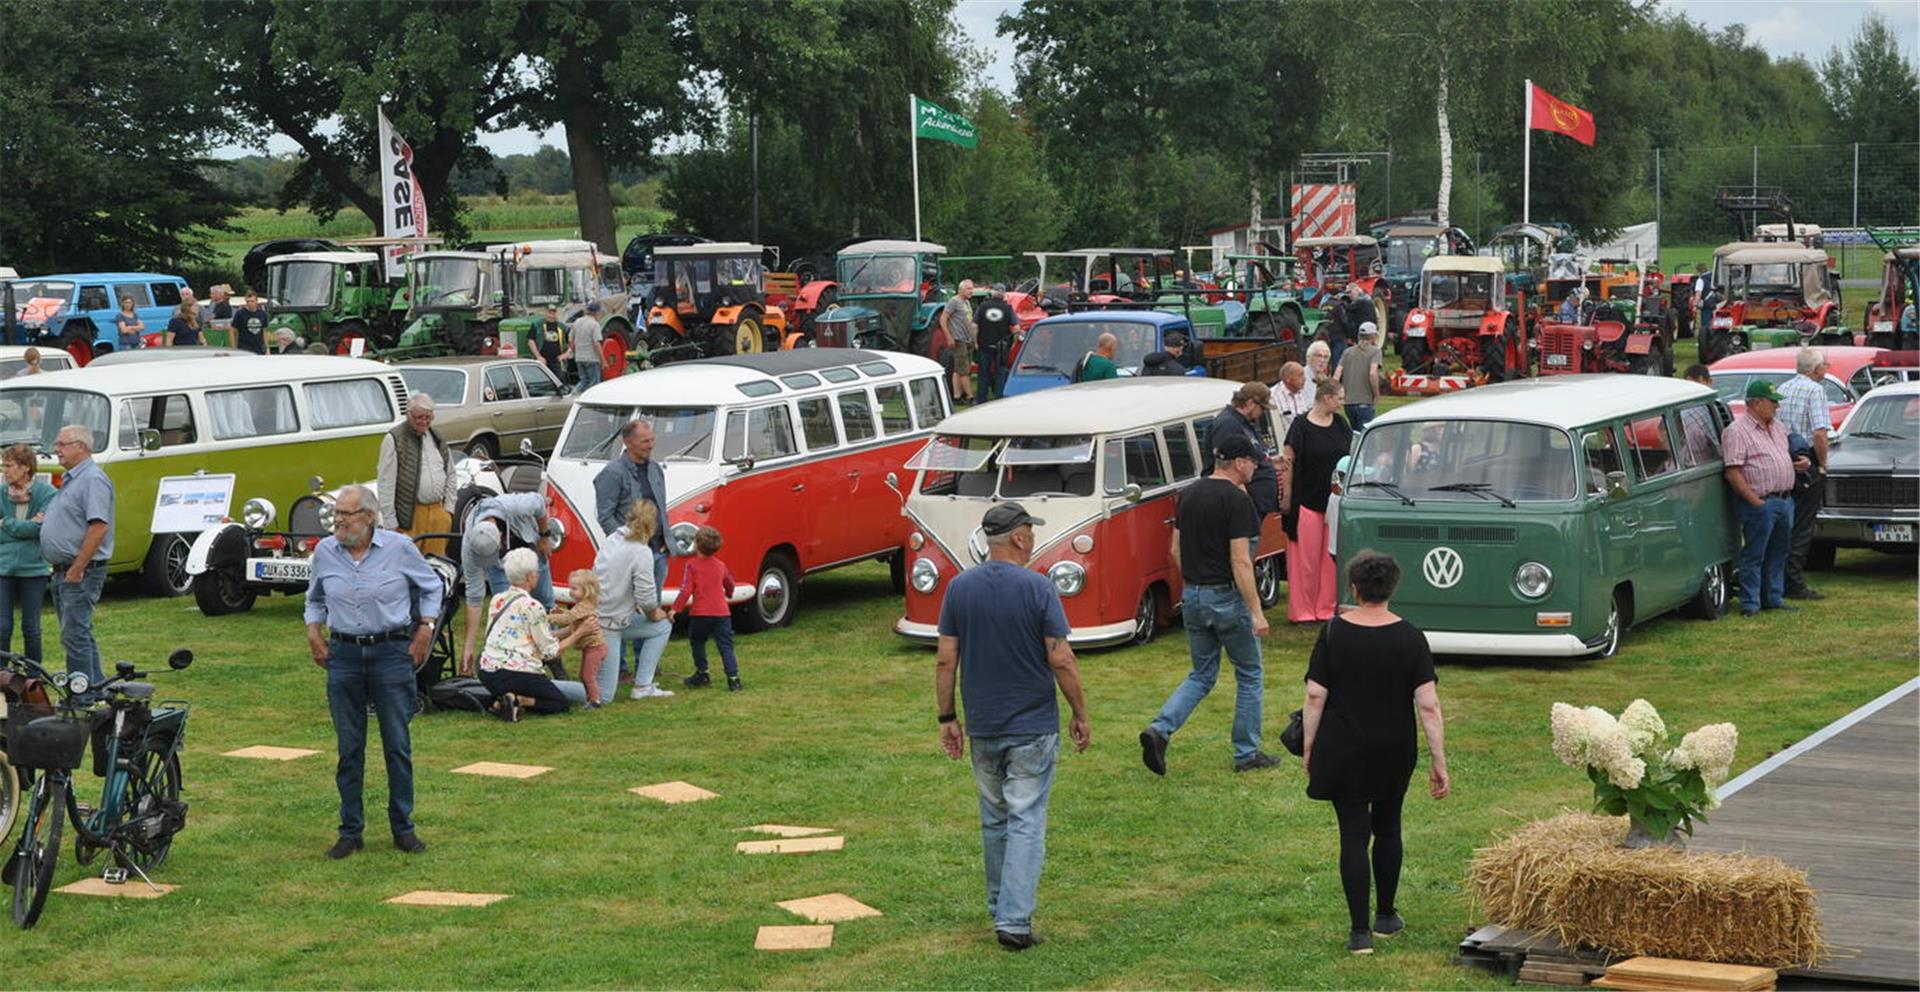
<point>787,453</point>
<point>1103,463</point>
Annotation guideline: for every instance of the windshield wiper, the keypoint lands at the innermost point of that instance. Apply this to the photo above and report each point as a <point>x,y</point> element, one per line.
<point>1388,486</point>
<point>33,441</point>
<point>1878,435</point>
<point>689,446</point>
<point>849,281</point>
<point>1481,489</point>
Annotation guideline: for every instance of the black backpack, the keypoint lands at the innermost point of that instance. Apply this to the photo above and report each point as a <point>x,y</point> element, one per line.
<point>461,693</point>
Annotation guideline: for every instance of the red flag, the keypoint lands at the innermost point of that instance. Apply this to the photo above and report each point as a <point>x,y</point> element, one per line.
<point>1550,113</point>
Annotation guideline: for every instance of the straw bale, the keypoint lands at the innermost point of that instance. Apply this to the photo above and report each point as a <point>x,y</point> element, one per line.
<point>1569,877</point>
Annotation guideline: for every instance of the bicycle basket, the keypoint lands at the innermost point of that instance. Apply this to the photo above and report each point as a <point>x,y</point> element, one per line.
<point>40,737</point>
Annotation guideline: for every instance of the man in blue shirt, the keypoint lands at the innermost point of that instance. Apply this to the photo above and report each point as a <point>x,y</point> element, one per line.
<point>378,600</point>
<point>1002,625</point>
<point>77,540</point>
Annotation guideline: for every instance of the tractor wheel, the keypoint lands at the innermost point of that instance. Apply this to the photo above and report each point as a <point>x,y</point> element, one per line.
<point>613,349</point>
<point>748,338</point>
<point>1493,356</point>
<point>1415,357</point>
<point>1288,325</point>
<point>1382,312</point>
<point>340,336</point>
<point>76,341</point>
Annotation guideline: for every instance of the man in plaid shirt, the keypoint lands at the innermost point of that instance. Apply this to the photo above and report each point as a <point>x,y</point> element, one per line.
<point>1803,411</point>
<point>1760,471</point>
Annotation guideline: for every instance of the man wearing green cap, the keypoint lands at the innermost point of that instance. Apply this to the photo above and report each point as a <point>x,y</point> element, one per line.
<point>1760,470</point>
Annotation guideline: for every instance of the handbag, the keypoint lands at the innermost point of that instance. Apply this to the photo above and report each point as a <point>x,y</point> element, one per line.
<point>1294,738</point>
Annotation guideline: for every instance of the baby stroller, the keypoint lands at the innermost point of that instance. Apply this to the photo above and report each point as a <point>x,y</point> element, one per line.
<point>439,682</point>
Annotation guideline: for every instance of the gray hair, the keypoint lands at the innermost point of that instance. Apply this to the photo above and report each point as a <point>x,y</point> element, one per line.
<point>79,434</point>
<point>627,429</point>
<point>363,497</point>
<point>1000,540</point>
<point>1809,360</point>
<point>420,401</point>
<point>520,564</point>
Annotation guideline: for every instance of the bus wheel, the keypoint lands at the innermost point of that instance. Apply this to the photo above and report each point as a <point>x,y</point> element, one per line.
<point>1266,580</point>
<point>1616,625</point>
<point>1146,617</point>
<point>776,593</point>
<point>1710,601</point>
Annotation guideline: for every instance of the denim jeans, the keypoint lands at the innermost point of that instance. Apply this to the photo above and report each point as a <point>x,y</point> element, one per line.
<point>383,674</point>
<point>28,593</point>
<point>721,630</point>
<point>1359,414</point>
<point>1335,349</point>
<point>1217,619</point>
<point>649,640</point>
<point>621,656</point>
<point>73,603</point>
<point>993,374</point>
<point>542,588</point>
<point>589,374</point>
<point>1766,532</point>
<point>1015,776</point>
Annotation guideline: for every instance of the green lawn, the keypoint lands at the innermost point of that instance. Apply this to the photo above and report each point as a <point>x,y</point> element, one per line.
<point>1204,878</point>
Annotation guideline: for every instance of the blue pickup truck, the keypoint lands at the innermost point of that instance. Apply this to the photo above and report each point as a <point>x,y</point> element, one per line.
<point>1053,349</point>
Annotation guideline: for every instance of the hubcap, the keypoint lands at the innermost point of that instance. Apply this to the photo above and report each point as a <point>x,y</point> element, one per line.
<point>1266,580</point>
<point>1143,618</point>
<point>746,338</point>
<point>772,596</point>
<point>1613,628</point>
<point>176,562</point>
<point>1716,587</point>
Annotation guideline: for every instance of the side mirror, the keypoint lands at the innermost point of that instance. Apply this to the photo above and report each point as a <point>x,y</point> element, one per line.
<point>124,669</point>
<point>179,659</point>
<point>149,439</point>
<point>1131,493</point>
<point>1616,485</point>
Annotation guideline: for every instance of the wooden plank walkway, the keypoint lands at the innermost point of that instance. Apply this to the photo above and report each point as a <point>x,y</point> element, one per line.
<point>1844,805</point>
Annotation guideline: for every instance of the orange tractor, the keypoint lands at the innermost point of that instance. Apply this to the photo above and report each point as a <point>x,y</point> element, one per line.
<point>711,299</point>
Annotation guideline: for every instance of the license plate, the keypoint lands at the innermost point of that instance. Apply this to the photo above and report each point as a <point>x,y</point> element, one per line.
<point>280,569</point>
<point>1722,323</point>
<point>1893,533</point>
<point>1557,361</point>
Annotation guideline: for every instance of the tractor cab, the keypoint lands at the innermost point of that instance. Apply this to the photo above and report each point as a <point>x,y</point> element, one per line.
<point>1774,296</point>
<point>1404,251</point>
<point>566,275</point>
<point>1806,235</point>
<point>886,296</point>
<point>333,298</point>
<point>1115,274</point>
<point>709,299</point>
<point>1269,289</point>
<point>1328,265</point>
<point>1523,249</point>
<point>1893,320</point>
<point>1461,331</point>
<point>455,301</point>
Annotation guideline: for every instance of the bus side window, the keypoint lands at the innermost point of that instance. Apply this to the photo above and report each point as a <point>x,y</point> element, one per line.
<point>1699,437</point>
<point>1602,458</point>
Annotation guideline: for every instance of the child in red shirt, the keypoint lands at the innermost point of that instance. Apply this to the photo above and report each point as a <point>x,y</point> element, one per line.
<point>707,584</point>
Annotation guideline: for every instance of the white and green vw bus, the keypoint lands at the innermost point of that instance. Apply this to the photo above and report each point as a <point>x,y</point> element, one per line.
<point>272,421</point>
<point>1543,518</point>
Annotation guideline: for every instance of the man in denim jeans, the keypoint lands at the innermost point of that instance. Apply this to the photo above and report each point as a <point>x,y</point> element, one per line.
<point>76,538</point>
<point>1212,537</point>
<point>1002,626</point>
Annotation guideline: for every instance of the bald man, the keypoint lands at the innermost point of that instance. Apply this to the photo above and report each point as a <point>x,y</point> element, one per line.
<point>1099,363</point>
<point>957,318</point>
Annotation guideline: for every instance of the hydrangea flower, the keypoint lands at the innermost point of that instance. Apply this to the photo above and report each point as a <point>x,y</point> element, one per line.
<point>1709,749</point>
<point>1569,735</point>
<point>1644,727</point>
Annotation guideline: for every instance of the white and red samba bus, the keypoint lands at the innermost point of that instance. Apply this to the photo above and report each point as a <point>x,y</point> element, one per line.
<point>788,454</point>
<point>1103,463</point>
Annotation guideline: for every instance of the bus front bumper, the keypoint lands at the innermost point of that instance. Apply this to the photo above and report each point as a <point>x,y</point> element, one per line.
<point>1101,636</point>
<point>1508,645</point>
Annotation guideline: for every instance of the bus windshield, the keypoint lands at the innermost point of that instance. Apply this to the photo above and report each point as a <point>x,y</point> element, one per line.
<point>1022,467</point>
<point>34,416</point>
<point>1463,460</point>
<point>680,433</point>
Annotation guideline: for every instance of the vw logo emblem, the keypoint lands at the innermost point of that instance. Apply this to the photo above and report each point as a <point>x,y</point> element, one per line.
<point>1442,568</point>
<point>977,545</point>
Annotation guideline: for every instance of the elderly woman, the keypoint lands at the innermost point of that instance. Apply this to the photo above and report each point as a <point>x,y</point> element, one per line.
<point>1369,674</point>
<point>1314,445</point>
<point>519,641</point>
<point>1319,361</point>
<point>630,606</point>
<point>23,572</point>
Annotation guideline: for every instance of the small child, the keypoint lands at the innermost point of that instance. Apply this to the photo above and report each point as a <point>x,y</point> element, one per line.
<point>707,584</point>
<point>593,647</point>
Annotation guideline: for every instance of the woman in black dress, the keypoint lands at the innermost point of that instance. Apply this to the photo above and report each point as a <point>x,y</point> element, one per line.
<point>1314,445</point>
<point>1371,672</point>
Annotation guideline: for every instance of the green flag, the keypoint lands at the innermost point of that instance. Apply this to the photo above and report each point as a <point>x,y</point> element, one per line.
<point>931,121</point>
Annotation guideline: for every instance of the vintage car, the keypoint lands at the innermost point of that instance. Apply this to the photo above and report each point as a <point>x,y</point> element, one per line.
<point>75,312</point>
<point>13,358</point>
<point>1873,477</point>
<point>1851,373</point>
<point>1103,463</point>
<point>795,456</point>
<point>1544,518</point>
<point>270,421</point>
<point>484,406</point>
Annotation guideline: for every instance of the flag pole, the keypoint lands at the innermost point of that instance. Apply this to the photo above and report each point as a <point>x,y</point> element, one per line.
<point>1526,158</point>
<point>913,138</point>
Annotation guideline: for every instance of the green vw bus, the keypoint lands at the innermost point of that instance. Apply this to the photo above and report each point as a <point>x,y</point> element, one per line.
<point>272,421</point>
<point>1543,518</point>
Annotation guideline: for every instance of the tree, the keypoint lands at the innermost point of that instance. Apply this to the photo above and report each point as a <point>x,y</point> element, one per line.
<point>1872,88</point>
<point>101,168</point>
<point>995,199</point>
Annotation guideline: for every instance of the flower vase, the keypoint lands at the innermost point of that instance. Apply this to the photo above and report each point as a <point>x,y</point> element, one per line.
<point>1639,837</point>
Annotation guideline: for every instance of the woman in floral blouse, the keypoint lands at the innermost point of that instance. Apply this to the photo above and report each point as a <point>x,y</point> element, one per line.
<point>519,640</point>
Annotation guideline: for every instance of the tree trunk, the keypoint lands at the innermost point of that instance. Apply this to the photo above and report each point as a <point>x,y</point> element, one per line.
<point>592,190</point>
<point>1444,204</point>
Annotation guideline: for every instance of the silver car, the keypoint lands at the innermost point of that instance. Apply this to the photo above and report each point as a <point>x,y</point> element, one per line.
<point>484,405</point>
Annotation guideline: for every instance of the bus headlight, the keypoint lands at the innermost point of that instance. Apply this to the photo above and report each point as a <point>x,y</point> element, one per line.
<point>1533,580</point>
<point>682,534</point>
<point>257,514</point>
<point>924,576</point>
<point>1068,578</point>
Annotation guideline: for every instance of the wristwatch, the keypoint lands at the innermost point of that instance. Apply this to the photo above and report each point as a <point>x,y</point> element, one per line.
<point>949,717</point>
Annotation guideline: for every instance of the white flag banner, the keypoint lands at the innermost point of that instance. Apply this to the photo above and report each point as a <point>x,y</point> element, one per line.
<point>403,203</point>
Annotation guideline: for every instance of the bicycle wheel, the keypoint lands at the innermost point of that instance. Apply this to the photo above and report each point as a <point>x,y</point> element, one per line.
<point>39,849</point>
<point>153,790</point>
<point>9,797</point>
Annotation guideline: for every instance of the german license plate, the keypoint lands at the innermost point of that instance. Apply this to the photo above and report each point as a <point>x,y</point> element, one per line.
<point>1893,533</point>
<point>280,569</point>
<point>1557,361</point>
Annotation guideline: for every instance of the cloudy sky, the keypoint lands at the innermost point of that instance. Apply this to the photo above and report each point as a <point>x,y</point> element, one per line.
<point>1807,28</point>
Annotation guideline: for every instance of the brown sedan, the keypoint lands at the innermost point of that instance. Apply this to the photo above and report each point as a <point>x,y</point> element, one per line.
<point>485,405</point>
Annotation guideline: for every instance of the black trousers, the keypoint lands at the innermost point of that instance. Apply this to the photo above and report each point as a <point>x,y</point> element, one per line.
<point>547,697</point>
<point>1806,510</point>
<point>721,630</point>
<point>1360,821</point>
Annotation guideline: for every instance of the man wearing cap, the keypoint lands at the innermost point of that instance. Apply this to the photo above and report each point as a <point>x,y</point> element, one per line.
<point>1760,470</point>
<point>1242,418</point>
<point>1803,412</point>
<point>1213,538</point>
<point>1359,375</point>
<point>495,526</point>
<point>584,342</point>
<point>995,326</point>
<point>1170,360</point>
<point>1002,626</point>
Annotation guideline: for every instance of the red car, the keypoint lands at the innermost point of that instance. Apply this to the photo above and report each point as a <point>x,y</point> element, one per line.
<point>1851,372</point>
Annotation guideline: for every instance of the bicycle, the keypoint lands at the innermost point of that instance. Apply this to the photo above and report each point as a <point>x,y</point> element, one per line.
<point>136,749</point>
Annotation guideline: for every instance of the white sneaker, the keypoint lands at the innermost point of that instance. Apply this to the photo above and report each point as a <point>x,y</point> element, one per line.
<point>650,692</point>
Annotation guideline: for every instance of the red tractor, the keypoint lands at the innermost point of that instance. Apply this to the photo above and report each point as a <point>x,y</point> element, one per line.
<point>1461,331</point>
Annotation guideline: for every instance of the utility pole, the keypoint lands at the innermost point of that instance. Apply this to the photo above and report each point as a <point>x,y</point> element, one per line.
<point>753,130</point>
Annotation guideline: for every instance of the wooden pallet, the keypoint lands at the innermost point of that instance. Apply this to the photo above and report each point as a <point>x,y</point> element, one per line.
<point>1533,958</point>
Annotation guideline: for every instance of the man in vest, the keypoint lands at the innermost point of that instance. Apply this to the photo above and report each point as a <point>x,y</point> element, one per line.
<point>416,482</point>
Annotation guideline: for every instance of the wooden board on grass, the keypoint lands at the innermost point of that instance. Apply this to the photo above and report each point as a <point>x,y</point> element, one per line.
<point>500,769</point>
<point>267,752</point>
<point>132,888</point>
<point>674,792</point>
<point>795,938</point>
<point>429,897</point>
<point>791,845</point>
<point>1671,973</point>
<point>833,907</point>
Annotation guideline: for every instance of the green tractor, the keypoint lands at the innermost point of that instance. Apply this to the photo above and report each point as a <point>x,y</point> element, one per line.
<point>886,296</point>
<point>566,275</point>
<point>334,298</point>
<point>1275,307</point>
<point>456,301</point>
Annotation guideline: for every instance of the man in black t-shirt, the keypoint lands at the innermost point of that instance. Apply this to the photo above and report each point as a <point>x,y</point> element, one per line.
<point>1212,534</point>
<point>994,325</point>
<point>549,335</point>
<point>1242,418</point>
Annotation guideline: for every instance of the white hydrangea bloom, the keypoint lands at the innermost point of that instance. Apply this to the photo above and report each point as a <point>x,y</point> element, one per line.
<point>1569,735</point>
<point>1709,749</point>
<point>1613,754</point>
<point>1644,727</point>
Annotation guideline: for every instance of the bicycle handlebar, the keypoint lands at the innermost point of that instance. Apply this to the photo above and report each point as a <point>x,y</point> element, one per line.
<point>179,659</point>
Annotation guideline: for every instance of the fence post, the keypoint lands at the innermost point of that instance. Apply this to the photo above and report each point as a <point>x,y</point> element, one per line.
<point>1856,184</point>
<point>1479,200</point>
<point>1756,165</point>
